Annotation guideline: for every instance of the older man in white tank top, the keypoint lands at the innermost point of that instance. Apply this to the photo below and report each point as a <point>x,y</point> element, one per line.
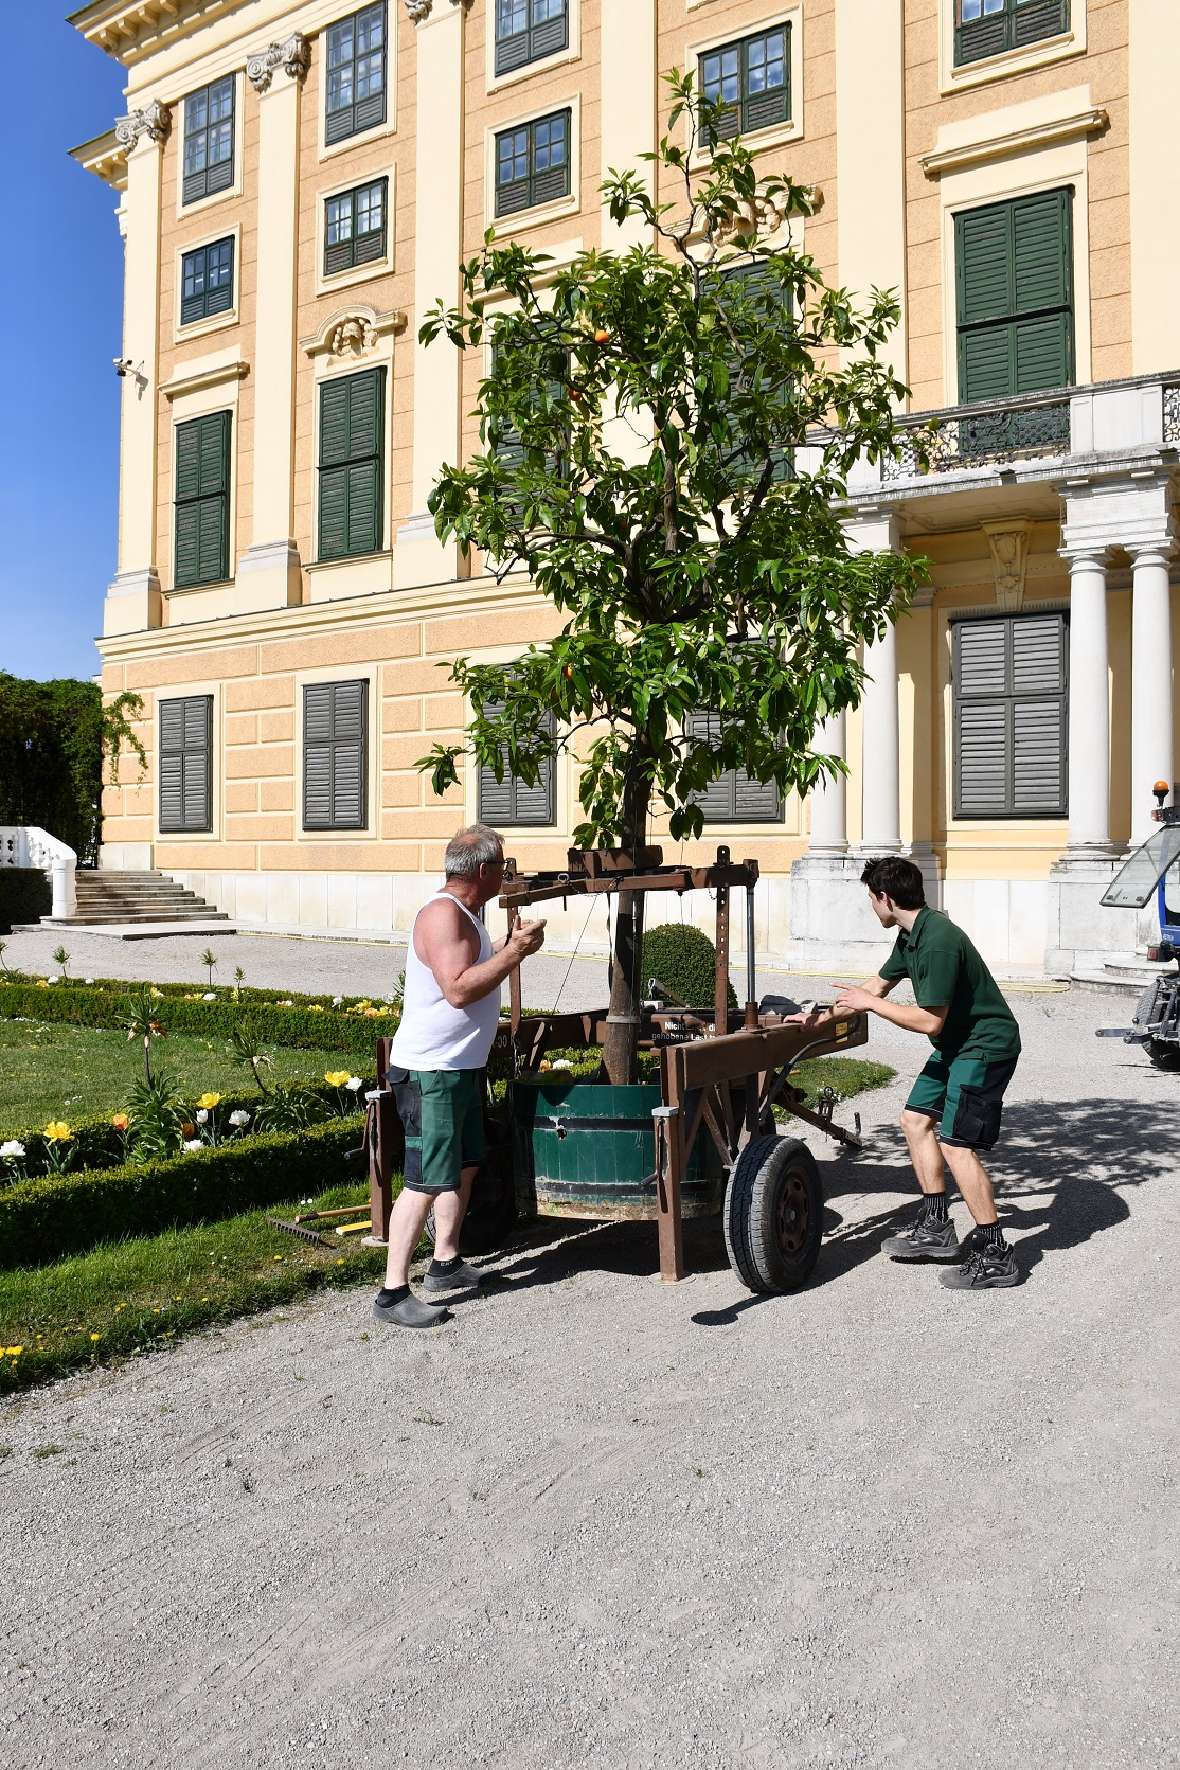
<point>449,1016</point>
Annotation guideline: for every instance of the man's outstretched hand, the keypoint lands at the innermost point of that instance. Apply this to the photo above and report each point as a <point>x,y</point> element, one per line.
<point>854,1000</point>
<point>526,938</point>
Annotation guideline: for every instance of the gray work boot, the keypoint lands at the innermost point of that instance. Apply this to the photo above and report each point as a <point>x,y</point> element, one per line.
<point>410,1312</point>
<point>930,1238</point>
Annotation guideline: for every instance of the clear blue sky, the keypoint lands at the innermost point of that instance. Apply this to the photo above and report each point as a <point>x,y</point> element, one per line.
<point>60,321</point>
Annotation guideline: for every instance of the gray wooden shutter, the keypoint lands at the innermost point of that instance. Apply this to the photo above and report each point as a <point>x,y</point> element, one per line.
<point>1015,26</point>
<point>554,181</point>
<point>1033,20</point>
<point>335,744</point>
<point>352,427</point>
<point>551,34</point>
<point>510,801</point>
<point>186,764</point>
<point>733,797</point>
<point>202,500</point>
<point>1011,708</point>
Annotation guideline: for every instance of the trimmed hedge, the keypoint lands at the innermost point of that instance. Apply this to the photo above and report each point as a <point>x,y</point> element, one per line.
<point>684,959</point>
<point>102,1146</point>
<point>42,1220</point>
<point>25,896</point>
<point>102,1005</point>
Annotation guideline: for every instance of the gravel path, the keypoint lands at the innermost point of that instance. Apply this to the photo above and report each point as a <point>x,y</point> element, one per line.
<point>599,1521</point>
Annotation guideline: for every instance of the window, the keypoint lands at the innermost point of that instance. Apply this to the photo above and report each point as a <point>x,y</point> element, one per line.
<point>533,163</point>
<point>186,764</point>
<point>356,74</point>
<point>355,227</point>
<point>202,500</point>
<point>733,798</point>
<point>751,78</point>
<point>505,442</point>
<point>1014,302</point>
<point>528,29</point>
<point>510,801</point>
<point>988,27</point>
<point>352,435</point>
<point>209,140</point>
<point>752,282</point>
<point>207,281</point>
<point>335,773</point>
<point>1011,703</point>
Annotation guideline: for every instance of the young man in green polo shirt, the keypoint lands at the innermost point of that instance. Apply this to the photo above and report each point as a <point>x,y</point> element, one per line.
<point>976,1046</point>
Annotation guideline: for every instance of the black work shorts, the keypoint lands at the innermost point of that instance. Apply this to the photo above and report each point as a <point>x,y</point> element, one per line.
<point>966,1095</point>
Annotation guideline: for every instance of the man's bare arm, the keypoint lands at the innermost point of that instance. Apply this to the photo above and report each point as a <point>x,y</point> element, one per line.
<point>446,942</point>
<point>904,1014</point>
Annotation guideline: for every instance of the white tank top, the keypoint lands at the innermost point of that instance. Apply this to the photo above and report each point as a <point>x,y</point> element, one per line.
<point>432,1034</point>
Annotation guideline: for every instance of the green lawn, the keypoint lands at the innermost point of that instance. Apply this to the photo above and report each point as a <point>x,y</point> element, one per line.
<point>63,1071</point>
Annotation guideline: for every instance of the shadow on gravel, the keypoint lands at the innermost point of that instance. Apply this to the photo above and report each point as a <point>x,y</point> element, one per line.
<point>1060,1171</point>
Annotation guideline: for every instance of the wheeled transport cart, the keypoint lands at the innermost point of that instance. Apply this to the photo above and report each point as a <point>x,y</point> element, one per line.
<point>700,1140</point>
<point>1154,870</point>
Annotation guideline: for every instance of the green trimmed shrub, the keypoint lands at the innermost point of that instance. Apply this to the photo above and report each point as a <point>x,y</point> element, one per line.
<point>25,896</point>
<point>42,1220</point>
<point>684,959</point>
<point>103,1005</point>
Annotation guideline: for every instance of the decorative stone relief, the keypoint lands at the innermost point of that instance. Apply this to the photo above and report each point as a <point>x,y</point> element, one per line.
<point>351,336</point>
<point>293,55</point>
<point>420,10</point>
<point>1008,543</point>
<point>154,121</point>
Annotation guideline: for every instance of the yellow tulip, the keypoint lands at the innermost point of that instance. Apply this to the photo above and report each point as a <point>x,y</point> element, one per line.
<point>13,1351</point>
<point>120,1121</point>
<point>335,1078</point>
<point>57,1131</point>
<point>209,1101</point>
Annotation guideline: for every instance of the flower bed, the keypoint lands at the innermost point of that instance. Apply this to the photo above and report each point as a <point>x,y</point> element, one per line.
<point>43,1219</point>
<point>304,1023</point>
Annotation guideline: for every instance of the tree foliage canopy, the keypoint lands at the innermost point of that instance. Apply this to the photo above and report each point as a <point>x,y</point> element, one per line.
<point>667,432</point>
<point>54,737</point>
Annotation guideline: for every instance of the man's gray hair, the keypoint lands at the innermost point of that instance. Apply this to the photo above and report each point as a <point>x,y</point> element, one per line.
<point>469,849</point>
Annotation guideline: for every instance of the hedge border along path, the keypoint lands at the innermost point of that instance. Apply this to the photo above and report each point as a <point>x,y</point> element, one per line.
<point>302,1027</point>
<point>61,1214</point>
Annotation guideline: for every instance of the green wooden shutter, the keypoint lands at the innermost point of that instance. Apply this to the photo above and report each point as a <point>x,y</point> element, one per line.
<point>1011,708</point>
<point>754,280</point>
<point>762,110</point>
<point>511,801</point>
<point>202,500</point>
<point>1014,299</point>
<point>335,747</point>
<point>352,430</point>
<point>186,764</point>
<point>733,797</point>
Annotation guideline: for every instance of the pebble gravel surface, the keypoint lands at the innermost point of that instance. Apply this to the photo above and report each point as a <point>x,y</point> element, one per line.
<point>598,1521</point>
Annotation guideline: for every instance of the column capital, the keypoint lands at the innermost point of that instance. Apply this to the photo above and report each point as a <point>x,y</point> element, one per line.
<point>153,120</point>
<point>1085,557</point>
<point>293,55</point>
<point>1157,551</point>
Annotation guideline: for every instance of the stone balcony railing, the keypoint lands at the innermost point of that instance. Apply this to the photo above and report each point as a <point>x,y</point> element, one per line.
<point>28,846</point>
<point>1034,435</point>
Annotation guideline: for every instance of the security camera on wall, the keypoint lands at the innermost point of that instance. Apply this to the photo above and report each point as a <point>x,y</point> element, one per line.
<point>122,364</point>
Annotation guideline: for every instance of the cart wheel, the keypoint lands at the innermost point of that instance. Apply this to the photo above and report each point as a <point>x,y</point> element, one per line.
<point>773,1214</point>
<point>1164,1054</point>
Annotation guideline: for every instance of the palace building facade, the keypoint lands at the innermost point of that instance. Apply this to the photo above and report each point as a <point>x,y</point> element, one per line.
<point>299,180</point>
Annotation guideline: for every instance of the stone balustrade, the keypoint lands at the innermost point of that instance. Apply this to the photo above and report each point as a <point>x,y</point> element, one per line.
<point>28,846</point>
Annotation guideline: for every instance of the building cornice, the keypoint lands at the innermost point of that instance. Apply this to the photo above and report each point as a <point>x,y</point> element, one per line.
<point>105,157</point>
<point>198,379</point>
<point>129,30</point>
<point>1091,121</point>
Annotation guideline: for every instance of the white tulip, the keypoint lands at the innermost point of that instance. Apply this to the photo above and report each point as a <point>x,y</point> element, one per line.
<point>209,996</point>
<point>354,1084</point>
<point>193,1143</point>
<point>202,1115</point>
<point>239,1118</point>
<point>12,1151</point>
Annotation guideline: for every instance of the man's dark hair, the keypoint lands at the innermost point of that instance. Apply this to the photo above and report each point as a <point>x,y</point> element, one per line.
<point>899,879</point>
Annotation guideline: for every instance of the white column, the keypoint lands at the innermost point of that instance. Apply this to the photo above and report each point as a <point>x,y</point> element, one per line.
<point>133,600</point>
<point>1151,682</point>
<point>829,831</point>
<point>880,768</point>
<point>1089,717</point>
<point>421,558</point>
<point>269,573</point>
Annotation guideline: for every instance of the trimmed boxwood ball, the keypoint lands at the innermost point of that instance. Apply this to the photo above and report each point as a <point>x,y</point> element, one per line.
<point>684,959</point>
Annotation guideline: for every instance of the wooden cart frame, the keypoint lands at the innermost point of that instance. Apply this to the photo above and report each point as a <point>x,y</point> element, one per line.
<point>726,1072</point>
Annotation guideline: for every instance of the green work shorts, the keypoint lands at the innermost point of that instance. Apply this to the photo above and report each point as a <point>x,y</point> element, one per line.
<point>442,1115</point>
<point>966,1094</point>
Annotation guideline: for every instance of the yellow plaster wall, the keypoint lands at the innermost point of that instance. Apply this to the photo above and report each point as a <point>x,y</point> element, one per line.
<point>1104,68</point>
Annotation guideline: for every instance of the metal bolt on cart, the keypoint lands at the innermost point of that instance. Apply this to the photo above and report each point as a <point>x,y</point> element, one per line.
<point>701,1140</point>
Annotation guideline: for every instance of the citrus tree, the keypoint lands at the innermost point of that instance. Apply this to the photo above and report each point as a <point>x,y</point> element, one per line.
<point>666,434</point>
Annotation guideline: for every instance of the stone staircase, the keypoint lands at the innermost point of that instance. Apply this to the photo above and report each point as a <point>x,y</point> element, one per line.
<point>134,899</point>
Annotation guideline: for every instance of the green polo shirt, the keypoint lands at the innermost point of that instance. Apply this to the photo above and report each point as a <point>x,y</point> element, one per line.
<point>947,972</point>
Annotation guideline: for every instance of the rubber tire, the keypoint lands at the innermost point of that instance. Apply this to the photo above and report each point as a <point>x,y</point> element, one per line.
<point>772,1177</point>
<point>1164,1054</point>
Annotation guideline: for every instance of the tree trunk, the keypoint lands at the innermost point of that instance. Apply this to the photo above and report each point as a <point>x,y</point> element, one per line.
<point>620,1054</point>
